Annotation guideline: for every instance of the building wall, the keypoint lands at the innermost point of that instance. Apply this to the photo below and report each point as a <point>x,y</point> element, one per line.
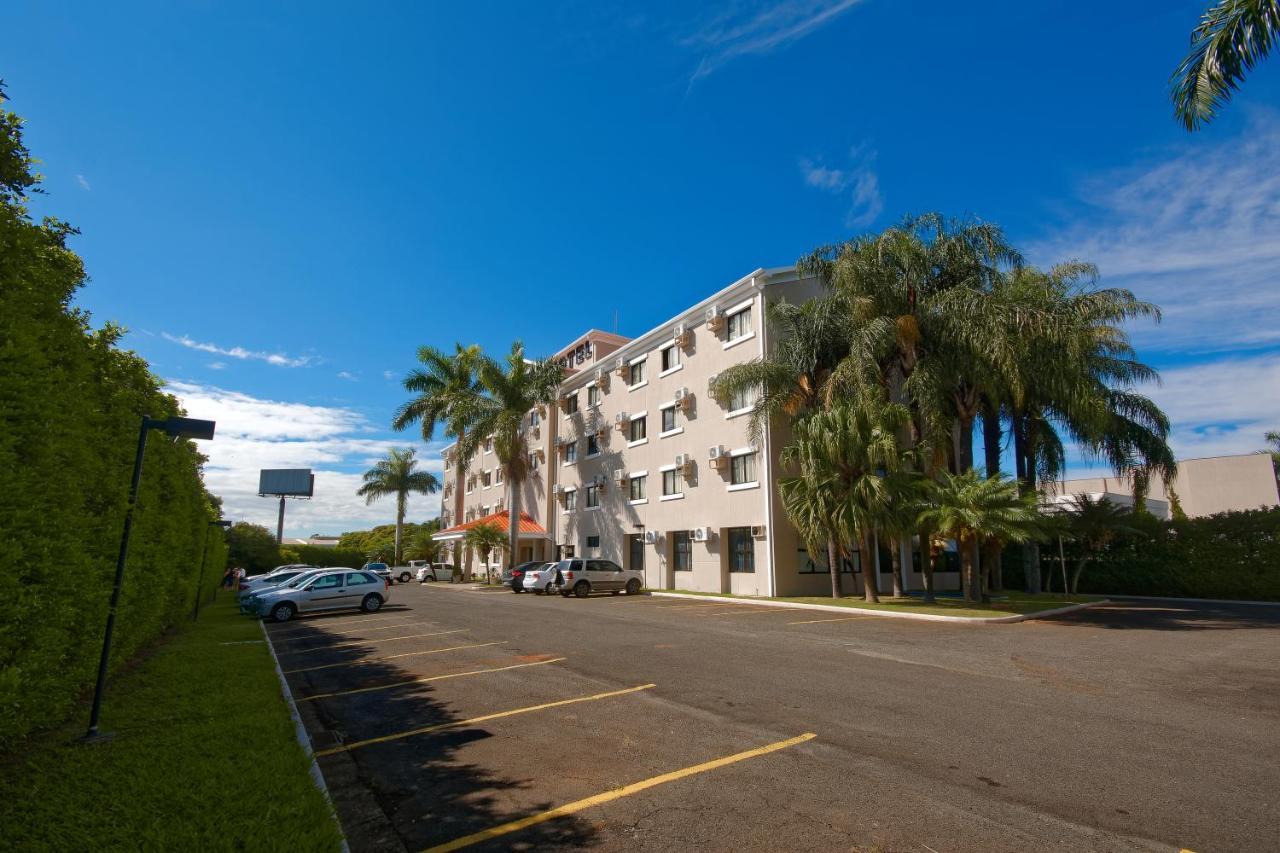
<point>1203,486</point>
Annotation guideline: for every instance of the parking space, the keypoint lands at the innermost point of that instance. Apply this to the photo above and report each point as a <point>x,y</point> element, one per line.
<point>486,720</point>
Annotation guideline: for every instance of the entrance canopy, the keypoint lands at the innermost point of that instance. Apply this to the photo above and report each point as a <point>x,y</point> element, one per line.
<point>529,529</point>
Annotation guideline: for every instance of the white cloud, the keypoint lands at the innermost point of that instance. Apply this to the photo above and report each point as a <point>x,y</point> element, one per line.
<point>83,182</point>
<point>1197,232</point>
<point>755,29</point>
<point>217,365</point>
<point>348,375</point>
<point>1221,407</point>
<point>276,358</point>
<point>857,179</point>
<point>336,443</point>
<point>388,375</point>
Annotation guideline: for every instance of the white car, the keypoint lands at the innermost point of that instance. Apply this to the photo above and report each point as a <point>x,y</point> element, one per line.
<point>580,578</point>
<point>432,571</point>
<point>275,577</point>
<point>340,589</point>
<point>283,579</point>
<point>540,579</point>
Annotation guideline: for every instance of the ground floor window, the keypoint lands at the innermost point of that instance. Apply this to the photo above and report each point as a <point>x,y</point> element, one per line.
<point>681,551</point>
<point>817,565</point>
<point>742,550</point>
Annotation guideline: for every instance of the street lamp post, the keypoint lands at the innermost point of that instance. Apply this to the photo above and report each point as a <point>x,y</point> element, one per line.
<point>204,555</point>
<point>177,428</point>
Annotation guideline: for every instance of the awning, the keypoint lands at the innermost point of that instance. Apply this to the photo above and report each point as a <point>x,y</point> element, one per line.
<point>529,529</point>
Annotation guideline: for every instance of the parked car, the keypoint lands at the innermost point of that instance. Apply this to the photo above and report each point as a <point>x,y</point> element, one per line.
<point>582,577</point>
<point>434,571</point>
<point>382,570</point>
<point>247,599</point>
<point>514,577</point>
<point>540,578</point>
<point>272,578</point>
<point>403,574</point>
<point>330,589</point>
<point>276,571</point>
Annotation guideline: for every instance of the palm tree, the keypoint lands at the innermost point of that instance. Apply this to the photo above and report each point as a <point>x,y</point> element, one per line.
<point>1233,36</point>
<point>1093,524</point>
<point>974,511</point>
<point>483,539</point>
<point>396,475</point>
<point>421,544</point>
<point>439,385</point>
<point>1273,438</point>
<point>498,408</point>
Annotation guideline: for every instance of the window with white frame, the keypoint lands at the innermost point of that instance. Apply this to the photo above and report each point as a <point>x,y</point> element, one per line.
<point>670,483</point>
<point>635,373</point>
<point>533,461</point>
<point>488,445</point>
<point>593,395</point>
<point>534,420</point>
<point>742,469</point>
<point>593,496</point>
<point>497,475</point>
<point>742,399</point>
<point>738,325</point>
<point>486,479</point>
<point>571,403</point>
<point>570,499</point>
<point>670,358</point>
<point>593,445</point>
<point>636,487</point>
<point>571,452</point>
<point>636,429</point>
<point>669,418</point>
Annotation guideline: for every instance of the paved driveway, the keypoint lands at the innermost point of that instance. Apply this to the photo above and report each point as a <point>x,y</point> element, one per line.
<point>496,721</point>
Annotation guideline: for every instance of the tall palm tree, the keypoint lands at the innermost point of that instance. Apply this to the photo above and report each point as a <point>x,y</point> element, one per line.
<point>483,539</point>
<point>498,408</point>
<point>1233,36</point>
<point>974,510</point>
<point>439,384</point>
<point>396,475</point>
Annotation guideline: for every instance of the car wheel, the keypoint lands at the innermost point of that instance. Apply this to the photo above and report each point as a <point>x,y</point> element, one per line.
<point>371,603</point>
<point>404,577</point>
<point>282,612</point>
<point>633,587</point>
<point>582,589</point>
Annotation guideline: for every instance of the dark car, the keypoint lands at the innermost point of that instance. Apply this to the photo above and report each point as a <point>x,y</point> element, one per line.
<point>514,578</point>
<point>382,570</point>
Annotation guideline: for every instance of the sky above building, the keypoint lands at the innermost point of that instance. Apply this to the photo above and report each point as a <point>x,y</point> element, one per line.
<point>282,201</point>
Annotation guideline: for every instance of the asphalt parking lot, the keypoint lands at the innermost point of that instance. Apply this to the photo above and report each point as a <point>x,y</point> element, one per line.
<point>485,720</point>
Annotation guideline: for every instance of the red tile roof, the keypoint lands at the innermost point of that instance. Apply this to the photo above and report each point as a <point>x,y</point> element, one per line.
<point>501,520</point>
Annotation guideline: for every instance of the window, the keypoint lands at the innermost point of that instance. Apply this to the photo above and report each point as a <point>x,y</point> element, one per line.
<point>593,542</point>
<point>636,430</point>
<point>738,325</point>
<point>488,445</point>
<point>498,475</point>
<point>593,445</point>
<point>669,418</point>
<point>571,404</point>
<point>742,550</point>
<point>533,461</point>
<point>637,487</point>
<point>593,395</point>
<point>681,551</point>
<point>809,566</point>
<point>358,578</point>
<point>486,479</point>
<point>593,496</point>
<point>670,358</point>
<point>570,500</point>
<point>742,469</point>
<point>571,452</point>
<point>327,582</point>
<point>534,420</point>
<point>670,483</point>
<point>635,373</point>
<point>741,399</point>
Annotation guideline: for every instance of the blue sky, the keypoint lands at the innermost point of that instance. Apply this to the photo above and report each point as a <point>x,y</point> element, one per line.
<point>281,201</point>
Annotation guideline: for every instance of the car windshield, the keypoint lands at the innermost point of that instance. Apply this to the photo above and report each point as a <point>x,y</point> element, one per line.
<point>300,579</point>
<point>563,565</point>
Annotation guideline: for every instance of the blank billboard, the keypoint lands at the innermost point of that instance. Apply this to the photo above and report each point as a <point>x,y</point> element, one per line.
<point>293,482</point>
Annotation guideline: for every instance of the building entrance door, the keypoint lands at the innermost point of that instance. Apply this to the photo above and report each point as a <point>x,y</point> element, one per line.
<point>635,553</point>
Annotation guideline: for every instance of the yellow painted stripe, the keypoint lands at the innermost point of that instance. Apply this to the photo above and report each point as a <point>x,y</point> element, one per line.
<point>495,716</point>
<point>750,611</point>
<point>355,630</point>
<point>428,678</point>
<point>610,796</point>
<point>836,619</point>
<point>389,657</point>
<point>328,646</point>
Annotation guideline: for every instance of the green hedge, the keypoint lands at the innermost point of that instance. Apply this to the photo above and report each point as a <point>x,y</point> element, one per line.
<point>319,555</point>
<point>1232,555</point>
<point>70,408</point>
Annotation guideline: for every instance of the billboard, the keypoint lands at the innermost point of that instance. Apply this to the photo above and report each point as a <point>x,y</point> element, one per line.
<point>289,482</point>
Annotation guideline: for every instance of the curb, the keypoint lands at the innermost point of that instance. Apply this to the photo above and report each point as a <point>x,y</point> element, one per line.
<point>301,732</point>
<point>1195,600</point>
<point>888,614</point>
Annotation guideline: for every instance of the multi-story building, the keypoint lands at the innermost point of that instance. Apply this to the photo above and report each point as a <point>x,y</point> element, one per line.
<point>639,464</point>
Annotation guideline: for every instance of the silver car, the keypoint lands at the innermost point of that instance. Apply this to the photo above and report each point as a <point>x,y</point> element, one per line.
<point>580,578</point>
<point>247,599</point>
<point>271,578</point>
<point>540,579</point>
<point>434,571</point>
<point>340,589</point>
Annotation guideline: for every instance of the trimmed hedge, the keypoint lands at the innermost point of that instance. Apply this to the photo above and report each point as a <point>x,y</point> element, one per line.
<point>319,555</point>
<point>70,407</point>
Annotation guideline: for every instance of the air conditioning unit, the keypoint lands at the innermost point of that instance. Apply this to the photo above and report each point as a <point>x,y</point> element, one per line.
<point>680,334</point>
<point>559,490</point>
<point>700,534</point>
<point>758,531</point>
<point>621,420</point>
<point>536,432</point>
<point>650,536</point>
<point>718,456</point>
<point>683,398</point>
<point>715,317</point>
<point>620,367</point>
<point>619,476</point>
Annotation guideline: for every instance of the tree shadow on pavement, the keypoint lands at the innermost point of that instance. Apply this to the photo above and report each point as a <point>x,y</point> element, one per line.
<point>1172,616</point>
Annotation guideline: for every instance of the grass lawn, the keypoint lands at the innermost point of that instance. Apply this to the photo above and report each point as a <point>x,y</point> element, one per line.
<point>204,757</point>
<point>1015,603</point>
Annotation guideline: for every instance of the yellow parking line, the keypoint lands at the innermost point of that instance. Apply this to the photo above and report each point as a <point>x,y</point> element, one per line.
<point>610,796</point>
<point>389,657</point>
<point>362,642</point>
<point>837,619</point>
<point>754,611</point>
<point>459,723</point>
<point>428,678</point>
<point>354,630</point>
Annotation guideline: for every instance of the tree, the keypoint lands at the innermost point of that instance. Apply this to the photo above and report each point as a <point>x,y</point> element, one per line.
<point>1273,439</point>
<point>396,475</point>
<point>252,547</point>
<point>974,511</point>
<point>1233,36</point>
<point>484,539</point>
<point>498,408</point>
<point>1093,524</point>
<point>422,546</point>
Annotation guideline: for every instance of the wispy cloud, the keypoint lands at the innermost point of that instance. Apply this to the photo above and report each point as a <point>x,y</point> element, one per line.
<point>83,182</point>
<point>276,358</point>
<point>856,178</point>
<point>758,28</point>
<point>1196,231</point>
<point>388,375</point>
<point>335,442</point>
<point>217,365</point>
<point>348,375</point>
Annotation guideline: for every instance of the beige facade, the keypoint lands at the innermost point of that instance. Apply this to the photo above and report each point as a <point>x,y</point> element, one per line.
<point>1202,487</point>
